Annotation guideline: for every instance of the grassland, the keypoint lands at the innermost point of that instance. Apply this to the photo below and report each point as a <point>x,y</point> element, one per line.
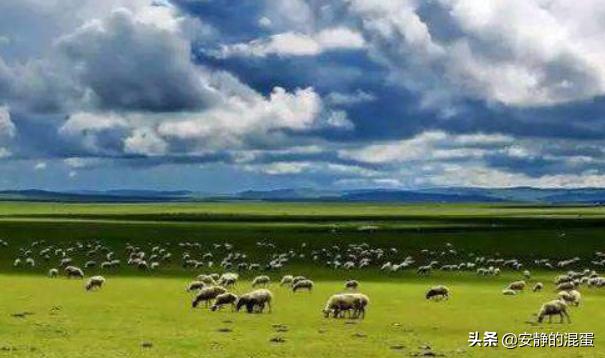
<point>137,307</point>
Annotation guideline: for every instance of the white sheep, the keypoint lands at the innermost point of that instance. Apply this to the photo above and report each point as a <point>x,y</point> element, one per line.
<point>194,286</point>
<point>262,280</point>
<point>298,278</point>
<point>286,280</point>
<point>73,271</point>
<point>207,279</point>
<point>566,286</point>
<point>509,292</point>
<point>424,270</point>
<point>517,285</point>
<point>339,304</point>
<point>539,286</point>
<point>224,299</point>
<point>95,282</point>
<point>255,299</point>
<point>572,297</point>
<point>360,302</point>
<point>228,279</point>
<point>527,274</point>
<point>352,285</point>
<point>207,294</point>
<point>53,272</point>
<point>303,284</point>
<point>440,292</point>
<point>551,308</point>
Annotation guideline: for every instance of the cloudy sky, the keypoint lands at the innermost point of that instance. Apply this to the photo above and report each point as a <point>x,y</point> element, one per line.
<point>222,95</point>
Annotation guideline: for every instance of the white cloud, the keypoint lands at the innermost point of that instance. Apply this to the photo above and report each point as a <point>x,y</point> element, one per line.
<point>350,170</point>
<point>481,176</point>
<point>255,118</point>
<point>81,163</point>
<point>7,127</point>
<point>432,145</point>
<point>348,99</point>
<point>40,166</point>
<point>516,52</point>
<point>145,141</point>
<point>4,153</point>
<point>81,122</point>
<point>312,167</point>
<point>296,44</point>
<point>240,119</point>
<point>7,131</point>
<point>339,119</point>
<point>264,22</point>
<point>279,168</point>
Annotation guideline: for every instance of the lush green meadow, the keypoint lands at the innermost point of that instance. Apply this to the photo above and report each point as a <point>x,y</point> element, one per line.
<point>58,318</point>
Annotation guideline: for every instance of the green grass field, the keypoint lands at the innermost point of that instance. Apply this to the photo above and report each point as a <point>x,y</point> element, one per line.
<point>58,318</point>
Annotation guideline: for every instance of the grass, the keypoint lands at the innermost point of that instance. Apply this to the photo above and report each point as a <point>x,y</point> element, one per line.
<point>116,320</point>
<point>134,308</point>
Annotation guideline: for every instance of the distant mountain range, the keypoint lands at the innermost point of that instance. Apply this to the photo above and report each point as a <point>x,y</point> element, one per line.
<point>593,196</point>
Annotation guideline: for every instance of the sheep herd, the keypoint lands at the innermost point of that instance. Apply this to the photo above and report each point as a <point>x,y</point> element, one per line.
<point>214,291</point>
<point>566,286</point>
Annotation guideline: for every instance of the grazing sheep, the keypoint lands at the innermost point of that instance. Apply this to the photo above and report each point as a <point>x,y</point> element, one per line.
<point>566,286</point>
<point>17,263</point>
<point>440,292</point>
<point>95,282</point>
<point>224,299</point>
<point>207,294</point>
<point>143,266</point>
<point>207,279</point>
<point>527,274</point>
<point>538,287</point>
<point>303,284</point>
<point>53,272</point>
<point>298,278</point>
<point>339,304</point>
<point>73,271</point>
<point>572,297</point>
<point>509,292</point>
<point>562,278</point>
<point>286,280</point>
<point>352,285</point>
<point>517,286</point>
<point>360,302</point>
<point>551,308</point>
<point>195,285</point>
<point>228,279</point>
<point>261,281</point>
<point>424,270</point>
<point>255,299</point>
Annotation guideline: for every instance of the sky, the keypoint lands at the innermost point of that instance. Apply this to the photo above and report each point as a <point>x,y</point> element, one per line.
<point>221,96</point>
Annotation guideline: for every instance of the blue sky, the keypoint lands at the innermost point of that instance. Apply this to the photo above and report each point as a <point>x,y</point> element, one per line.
<point>222,96</point>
